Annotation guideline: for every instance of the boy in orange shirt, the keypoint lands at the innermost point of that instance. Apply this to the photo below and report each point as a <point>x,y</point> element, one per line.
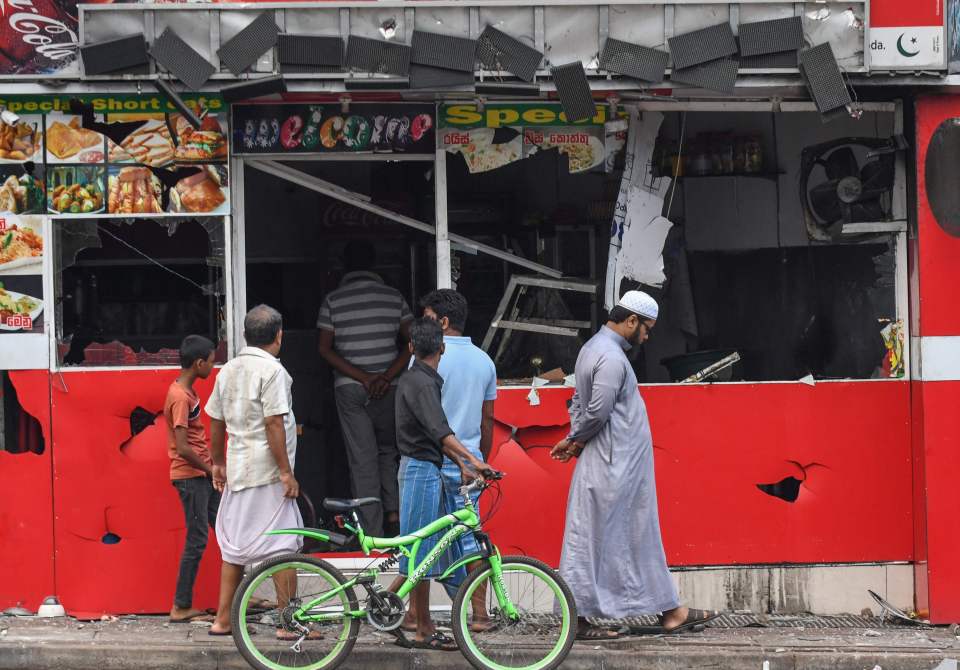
<point>190,469</point>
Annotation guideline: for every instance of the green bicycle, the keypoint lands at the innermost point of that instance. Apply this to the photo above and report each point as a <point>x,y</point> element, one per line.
<point>300,612</point>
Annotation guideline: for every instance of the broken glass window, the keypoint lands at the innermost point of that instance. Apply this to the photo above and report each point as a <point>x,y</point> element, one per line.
<point>129,290</point>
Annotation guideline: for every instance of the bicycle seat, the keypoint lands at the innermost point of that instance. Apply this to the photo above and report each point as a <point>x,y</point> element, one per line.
<point>347,504</point>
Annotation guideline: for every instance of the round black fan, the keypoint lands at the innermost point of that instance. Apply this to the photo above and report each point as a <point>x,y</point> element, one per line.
<point>837,188</point>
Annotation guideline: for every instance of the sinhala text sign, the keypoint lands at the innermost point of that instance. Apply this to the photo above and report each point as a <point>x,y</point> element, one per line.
<point>495,135</point>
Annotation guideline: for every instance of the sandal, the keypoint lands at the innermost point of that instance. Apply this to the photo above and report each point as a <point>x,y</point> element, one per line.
<point>591,633</point>
<point>695,618</point>
<point>437,642</point>
<point>217,633</point>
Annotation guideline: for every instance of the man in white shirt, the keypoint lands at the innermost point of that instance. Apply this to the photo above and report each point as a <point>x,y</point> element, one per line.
<point>252,402</point>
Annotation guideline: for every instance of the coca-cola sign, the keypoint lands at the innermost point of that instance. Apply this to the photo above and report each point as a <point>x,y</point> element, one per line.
<point>38,36</point>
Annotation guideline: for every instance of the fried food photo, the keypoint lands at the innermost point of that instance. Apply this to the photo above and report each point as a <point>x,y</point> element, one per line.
<point>20,195</point>
<point>134,190</point>
<point>19,141</point>
<point>149,145</point>
<point>201,192</point>
<point>77,198</point>
<point>65,140</point>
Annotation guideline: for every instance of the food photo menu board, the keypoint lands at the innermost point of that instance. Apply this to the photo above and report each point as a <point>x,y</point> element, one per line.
<point>23,344</point>
<point>58,161</point>
<point>160,164</point>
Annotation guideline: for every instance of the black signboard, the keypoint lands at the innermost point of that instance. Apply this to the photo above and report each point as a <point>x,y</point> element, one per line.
<point>325,128</point>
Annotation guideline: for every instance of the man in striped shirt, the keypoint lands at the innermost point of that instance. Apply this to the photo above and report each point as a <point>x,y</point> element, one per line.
<point>360,324</point>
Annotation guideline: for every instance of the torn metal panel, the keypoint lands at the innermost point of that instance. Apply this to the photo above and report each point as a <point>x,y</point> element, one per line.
<point>639,204</point>
<point>26,522</point>
<point>118,519</point>
<point>723,441</point>
<point>641,256</point>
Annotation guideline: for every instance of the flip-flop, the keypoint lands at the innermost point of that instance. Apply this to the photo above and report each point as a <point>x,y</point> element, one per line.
<point>214,633</point>
<point>199,616</point>
<point>593,633</point>
<point>436,642</point>
<point>695,619</point>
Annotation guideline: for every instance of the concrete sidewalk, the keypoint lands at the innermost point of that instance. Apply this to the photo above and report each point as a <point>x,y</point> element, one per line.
<point>149,643</point>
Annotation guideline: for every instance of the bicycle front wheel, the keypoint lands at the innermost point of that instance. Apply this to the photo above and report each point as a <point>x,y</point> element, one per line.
<point>538,637</point>
<point>269,632</point>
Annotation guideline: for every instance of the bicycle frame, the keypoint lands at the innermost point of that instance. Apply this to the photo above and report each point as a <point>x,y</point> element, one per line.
<point>462,521</point>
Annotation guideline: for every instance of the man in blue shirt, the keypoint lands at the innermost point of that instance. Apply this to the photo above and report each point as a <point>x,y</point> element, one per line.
<point>468,393</point>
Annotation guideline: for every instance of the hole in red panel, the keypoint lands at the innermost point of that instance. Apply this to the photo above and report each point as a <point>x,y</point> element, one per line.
<point>786,489</point>
<point>941,185</point>
<point>141,419</point>
<point>20,432</point>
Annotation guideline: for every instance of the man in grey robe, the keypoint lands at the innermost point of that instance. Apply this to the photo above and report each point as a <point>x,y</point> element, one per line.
<point>613,556</point>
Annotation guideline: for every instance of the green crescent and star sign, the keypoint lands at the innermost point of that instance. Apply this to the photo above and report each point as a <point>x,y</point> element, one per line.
<point>906,48</point>
<point>902,50</point>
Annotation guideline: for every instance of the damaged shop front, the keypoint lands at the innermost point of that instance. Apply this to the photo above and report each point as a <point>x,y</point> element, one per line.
<point>779,378</point>
<point>769,300</point>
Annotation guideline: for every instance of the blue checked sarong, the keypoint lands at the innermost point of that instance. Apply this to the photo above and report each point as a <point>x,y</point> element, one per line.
<point>421,503</point>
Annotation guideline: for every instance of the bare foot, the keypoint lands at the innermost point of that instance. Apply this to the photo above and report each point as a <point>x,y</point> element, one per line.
<point>683,619</point>
<point>482,625</point>
<point>409,625</point>
<point>675,617</point>
<point>220,627</point>
<point>188,614</point>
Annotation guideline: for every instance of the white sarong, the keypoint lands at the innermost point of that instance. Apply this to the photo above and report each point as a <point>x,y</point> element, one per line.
<point>247,514</point>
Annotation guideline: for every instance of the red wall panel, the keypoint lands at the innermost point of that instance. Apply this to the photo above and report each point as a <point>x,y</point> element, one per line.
<point>713,445</point>
<point>941,428</point>
<point>108,482</point>
<point>26,516</point>
<point>938,252</point>
<point>848,442</point>
<point>934,276</point>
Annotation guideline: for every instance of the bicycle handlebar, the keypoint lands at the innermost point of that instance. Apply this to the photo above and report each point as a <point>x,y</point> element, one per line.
<point>482,481</point>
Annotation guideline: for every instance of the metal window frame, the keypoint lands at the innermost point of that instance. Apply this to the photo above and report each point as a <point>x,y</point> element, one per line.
<point>51,323</point>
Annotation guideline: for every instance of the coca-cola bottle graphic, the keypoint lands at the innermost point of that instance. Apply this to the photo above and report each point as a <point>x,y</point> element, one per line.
<point>38,36</point>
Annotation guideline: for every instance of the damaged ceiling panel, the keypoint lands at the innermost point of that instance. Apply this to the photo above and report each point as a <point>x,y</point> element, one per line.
<point>571,36</point>
<point>840,25</point>
<point>453,21</point>
<point>381,24</point>
<point>312,22</point>
<point>689,18</point>
<point>638,24</point>
<point>192,27</point>
<point>232,23</point>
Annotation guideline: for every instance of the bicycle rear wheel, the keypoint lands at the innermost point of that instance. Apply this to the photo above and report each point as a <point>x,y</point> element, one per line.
<point>270,635</point>
<point>539,638</point>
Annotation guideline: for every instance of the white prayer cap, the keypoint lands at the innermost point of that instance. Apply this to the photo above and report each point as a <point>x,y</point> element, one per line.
<point>640,304</point>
